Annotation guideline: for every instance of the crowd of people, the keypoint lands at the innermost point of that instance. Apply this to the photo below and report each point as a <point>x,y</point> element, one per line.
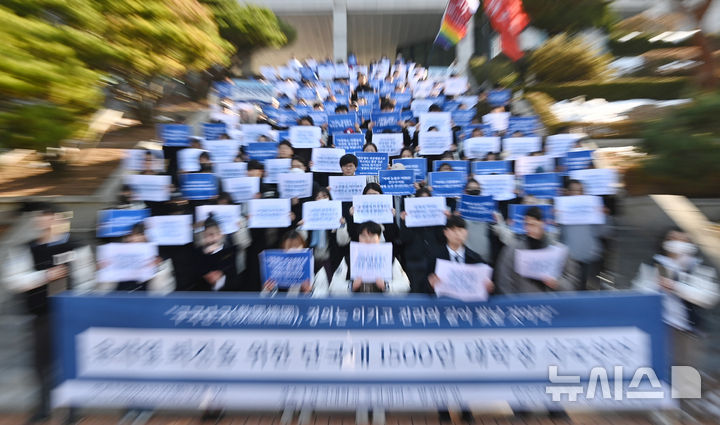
<point>315,94</point>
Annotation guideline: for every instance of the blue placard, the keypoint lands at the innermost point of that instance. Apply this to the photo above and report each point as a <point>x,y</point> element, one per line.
<point>386,121</point>
<point>418,165</point>
<point>451,106</point>
<point>262,150</point>
<point>397,182</point>
<point>142,346</point>
<point>223,88</point>
<point>365,111</point>
<point>447,183</point>
<point>116,223</point>
<point>406,115</point>
<point>213,131</point>
<point>577,160</point>
<point>477,208</point>
<point>308,74</point>
<point>373,99</point>
<point>516,213</point>
<point>526,125</point>
<point>341,122</point>
<point>319,117</point>
<point>286,269</point>
<point>463,117</point>
<point>499,97</point>
<point>491,167</point>
<point>303,110</point>
<point>330,106</point>
<point>306,93</point>
<point>468,129</point>
<point>401,99</point>
<point>351,142</point>
<point>542,185</point>
<point>457,165</point>
<point>283,135</point>
<point>198,186</point>
<point>286,117</point>
<point>386,88</point>
<point>370,163</point>
<point>175,134</point>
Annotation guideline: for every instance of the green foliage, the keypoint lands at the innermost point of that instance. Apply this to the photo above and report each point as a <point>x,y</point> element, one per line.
<point>563,58</point>
<point>499,70</point>
<point>618,89</point>
<point>249,27</point>
<point>685,144</point>
<point>571,16</point>
<point>542,104</point>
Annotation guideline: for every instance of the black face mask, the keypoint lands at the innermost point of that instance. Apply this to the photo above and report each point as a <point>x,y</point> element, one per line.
<point>473,192</point>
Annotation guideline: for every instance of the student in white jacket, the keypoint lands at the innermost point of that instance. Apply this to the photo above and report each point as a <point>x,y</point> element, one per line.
<point>369,232</point>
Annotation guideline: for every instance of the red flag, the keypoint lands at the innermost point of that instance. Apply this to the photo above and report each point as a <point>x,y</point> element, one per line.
<point>509,19</point>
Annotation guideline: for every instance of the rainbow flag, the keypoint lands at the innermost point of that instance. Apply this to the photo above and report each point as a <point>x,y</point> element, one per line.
<point>454,23</point>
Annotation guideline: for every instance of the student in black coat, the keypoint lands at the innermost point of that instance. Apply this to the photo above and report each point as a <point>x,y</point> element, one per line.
<point>216,268</point>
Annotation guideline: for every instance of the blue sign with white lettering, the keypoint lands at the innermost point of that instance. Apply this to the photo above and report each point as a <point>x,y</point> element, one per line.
<point>499,97</point>
<point>365,111</point>
<point>386,121</point>
<point>306,93</point>
<point>468,129</point>
<point>196,186</point>
<point>351,142</point>
<point>116,223</point>
<point>577,160</point>
<point>456,165</point>
<point>525,125</point>
<point>452,106</point>
<point>463,117</point>
<point>213,131</point>
<point>370,163</point>
<point>319,118</point>
<point>287,269</point>
<point>418,165</point>
<point>175,134</point>
<point>477,208</point>
<point>448,183</point>
<point>397,182</point>
<point>262,150</point>
<point>341,122</point>
<point>491,167</point>
<point>542,185</point>
<point>401,99</point>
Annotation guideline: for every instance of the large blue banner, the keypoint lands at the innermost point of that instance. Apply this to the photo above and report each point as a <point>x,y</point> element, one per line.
<point>416,352</point>
<point>116,223</point>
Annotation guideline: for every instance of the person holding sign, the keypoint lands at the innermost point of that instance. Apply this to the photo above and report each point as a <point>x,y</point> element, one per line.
<point>216,268</point>
<point>545,266</point>
<point>293,241</point>
<point>454,250</point>
<point>416,243</point>
<point>350,231</point>
<point>370,259</point>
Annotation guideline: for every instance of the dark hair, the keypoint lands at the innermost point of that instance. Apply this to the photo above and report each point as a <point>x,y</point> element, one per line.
<point>285,142</point>
<point>254,164</point>
<point>455,222</point>
<point>369,144</point>
<point>422,191</point>
<point>224,196</point>
<point>137,229</point>
<point>432,127</point>
<point>444,164</point>
<point>204,155</point>
<point>322,190</point>
<point>372,186</point>
<point>125,188</point>
<point>291,235</point>
<point>435,108</point>
<point>407,149</point>
<point>534,212</point>
<point>347,159</point>
<point>211,221</point>
<point>307,118</point>
<point>370,227</point>
<point>573,181</point>
<point>341,109</point>
<point>301,159</point>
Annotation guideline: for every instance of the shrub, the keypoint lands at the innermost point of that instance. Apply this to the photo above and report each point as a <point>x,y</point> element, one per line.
<point>499,70</point>
<point>618,89</point>
<point>564,58</point>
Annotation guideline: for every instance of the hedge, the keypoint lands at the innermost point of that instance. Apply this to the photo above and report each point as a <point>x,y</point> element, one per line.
<point>618,89</point>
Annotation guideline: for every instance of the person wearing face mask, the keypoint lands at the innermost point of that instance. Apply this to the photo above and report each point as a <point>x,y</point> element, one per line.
<point>509,281</point>
<point>293,241</point>
<point>215,268</point>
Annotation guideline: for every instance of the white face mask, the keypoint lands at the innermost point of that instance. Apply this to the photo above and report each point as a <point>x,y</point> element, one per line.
<point>680,247</point>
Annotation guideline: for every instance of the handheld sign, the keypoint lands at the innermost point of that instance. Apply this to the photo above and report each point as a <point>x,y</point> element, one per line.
<point>227,216</point>
<point>462,281</point>
<point>274,167</point>
<point>448,183</point>
<point>498,121</point>
<point>516,214</point>
<point>371,261</point>
<point>544,186</point>
<point>242,189</point>
<point>169,230</point>
<point>477,208</point>
<point>455,86</point>
<point>397,182</point>
<point>222,150</point>
<point>175,134</point>
<point>385,121</point>
<point>559,144</point>
<point>418,165</point>
<point>491,167</point>
<point>305,136</point>
<point>597,181</point>
<point>295,185</point>
<point>126,262</point>
<point>268,213</point>
<point>434,142</point>
<point>349,142</point>
<point>326,160</point>
<point>377,208</point>
<point>149,187</point>
<point>390,143</point>
<point>500,186</point>
<point>287,268</point>
<point>542,263</point>
<point>198,186</point>
<point>370,163</point>
<point>262,150</point>
<point>499,97</point>
<point>534,165</point>
<point>521,146</point>
<point>116,223</point>
<point>578,160</point>
<point>189,160</point>
<point>584,209</point>
<point>479,147</point>
<point>340,123</point>
<point>442,121</point>
<point>227,170</point>
<point>463,117</point>
<point>135,160</point>
<point>213,131</point>
<point>321,215</point>
<point>425,211</point>
<point>462,166</point>
<point>343,188</point>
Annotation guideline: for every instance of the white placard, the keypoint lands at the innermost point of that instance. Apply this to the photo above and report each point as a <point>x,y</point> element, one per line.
<point>343,188</point>
<point>295,185</point>
<point>423,88</point>
<point>455,86</point>
<point>377,208</point>
<point>126,262</point>
<point>542,263</point>
<point>560,144</point>
<point>478,147</point>
<point>227,216</point>
<point>530,164</point>
<point>390,143</point>
<point>228,170</point>
<point>500,186</point>
<point>251,132</point>
<point>305,136</point>
<point>440,120</point>
<point>222,150</point>
<point>169,230</point>
<point>326,160</point>
<point>321,215</point>
<point>274,167</point>
<point>597,181</point>
<point>264,213</point>
<point>242,189</point>
<point>434,142</point>
<point>462,281</point>
<point>521,146</point>
<point>425,211</point>
<point>370,261</point>
<point>498,121</point>
<point>149,187</point>
<point>135,160</point>
<point>188,160</point>
<point>583,209</point>
<point>420,105</point>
